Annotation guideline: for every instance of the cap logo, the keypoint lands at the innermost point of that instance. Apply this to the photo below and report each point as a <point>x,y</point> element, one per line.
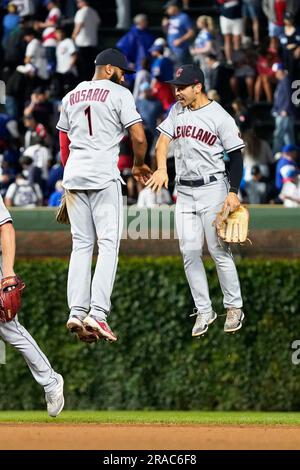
<point>179,72</point>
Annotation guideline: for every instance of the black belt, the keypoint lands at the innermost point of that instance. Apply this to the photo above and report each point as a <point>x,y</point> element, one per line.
<point>196,183</point>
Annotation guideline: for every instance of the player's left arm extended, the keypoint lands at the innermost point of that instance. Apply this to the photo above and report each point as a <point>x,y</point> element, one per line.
<point>235,176</point>
<point>160,176</point>
<point>8,243</point>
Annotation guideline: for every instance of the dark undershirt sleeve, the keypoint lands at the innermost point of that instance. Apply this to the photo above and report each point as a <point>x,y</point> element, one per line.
<point>235,170</point>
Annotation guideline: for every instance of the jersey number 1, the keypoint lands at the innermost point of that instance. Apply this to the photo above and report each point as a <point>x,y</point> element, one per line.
<point>87,112</point>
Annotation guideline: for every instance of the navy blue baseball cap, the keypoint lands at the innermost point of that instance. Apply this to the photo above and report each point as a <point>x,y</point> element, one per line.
<point>290,148</point>
<point>186,75</point>
<point>113,57</point>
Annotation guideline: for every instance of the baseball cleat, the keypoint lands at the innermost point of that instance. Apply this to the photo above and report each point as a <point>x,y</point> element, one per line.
<point>234,320</point>
<point>55,399</point>
<point>202,322</point>
<point>92,324</point>
<point>75,325</point>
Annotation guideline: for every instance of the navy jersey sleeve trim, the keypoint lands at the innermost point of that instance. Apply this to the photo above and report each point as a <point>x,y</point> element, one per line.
<point>237,147</point>
<point>135,121</point>
<point>62,129</point>
<point>159,129</point>
<point>4,221</point>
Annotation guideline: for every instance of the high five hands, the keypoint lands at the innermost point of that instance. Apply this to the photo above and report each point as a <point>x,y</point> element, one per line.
<point>141,173</point>
<point>158,180</point>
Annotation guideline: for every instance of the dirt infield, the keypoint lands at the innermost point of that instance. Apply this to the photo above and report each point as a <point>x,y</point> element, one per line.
<point>146,437</point>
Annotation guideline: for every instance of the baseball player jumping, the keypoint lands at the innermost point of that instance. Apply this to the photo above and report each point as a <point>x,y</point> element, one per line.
<point>15,334</point>
<point>92,122</point>
<point>201,130</point>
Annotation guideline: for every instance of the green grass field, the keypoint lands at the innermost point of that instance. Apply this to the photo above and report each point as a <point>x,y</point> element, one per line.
<point>154,417</point>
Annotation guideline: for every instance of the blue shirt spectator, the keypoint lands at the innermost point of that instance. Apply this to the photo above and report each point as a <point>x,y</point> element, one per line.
<point>285,164</point>
<point>55,198</point>
<point>136,43</point>
<point>55,174</point>
<point>282,97</point>
<point>162,68</point>
<point>9,23</point>
<point>179,28</point>
<point>149,108</point>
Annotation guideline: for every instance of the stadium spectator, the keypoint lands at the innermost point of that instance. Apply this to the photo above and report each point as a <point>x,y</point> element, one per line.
<point>35,54</point>
<point>218,78</point>
<point>123,14</point>
<point>283,110</point>
<point>162,70</point>
<point>231,25</point>
<point>55,174</point>
<point>179,29</point>
<point>142,76</point>
<point>290,44</point>
<point>85,36</point>
<point>204,42</point>
<point>48,34</point>
<point>265,80</point>
<point>250,9</point>
<point>65,77</point>
<point>25,7</point>
<point>286,163</point>
<point>244,71</point>
<point>14,50</point>
<point>241,115</point>
<point>55,197</point>
<point>9,132</point>
<point>149,107</point>
<point>9,23</point>
<point>23,194</point>
<point>290,192</point>
<point>257,183</point>
<point>41,159</point>
<point>135,44</point>
<point>39,107</point>
<point>274,11</point>
<point>34,131</point>
<point>256,188</point>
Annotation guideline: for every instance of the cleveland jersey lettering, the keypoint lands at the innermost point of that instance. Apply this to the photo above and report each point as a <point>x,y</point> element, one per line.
<point>200,137</point>
<point>195,133</point>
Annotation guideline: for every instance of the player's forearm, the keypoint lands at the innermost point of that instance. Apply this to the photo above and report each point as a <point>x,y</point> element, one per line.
<point>8,244</point>
<point>139,143</point>
<point>139,151</point>
<point>161,152</point>
<point>235,170</point>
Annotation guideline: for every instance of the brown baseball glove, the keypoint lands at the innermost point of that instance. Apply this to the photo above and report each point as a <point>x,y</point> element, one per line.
<point>232,227</point>
<point>11,288</point>
<point>62,216</point>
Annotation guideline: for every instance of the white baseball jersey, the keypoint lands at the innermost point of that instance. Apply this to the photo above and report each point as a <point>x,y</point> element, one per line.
<point>200,136</point>
<point>95,115</point>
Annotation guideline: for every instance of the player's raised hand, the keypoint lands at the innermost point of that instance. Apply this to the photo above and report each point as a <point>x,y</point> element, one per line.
<point>158,180</point>
<point>141,173</point>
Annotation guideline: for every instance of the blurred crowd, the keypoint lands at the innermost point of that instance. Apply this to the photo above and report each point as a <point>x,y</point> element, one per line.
<point>249,51</point>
